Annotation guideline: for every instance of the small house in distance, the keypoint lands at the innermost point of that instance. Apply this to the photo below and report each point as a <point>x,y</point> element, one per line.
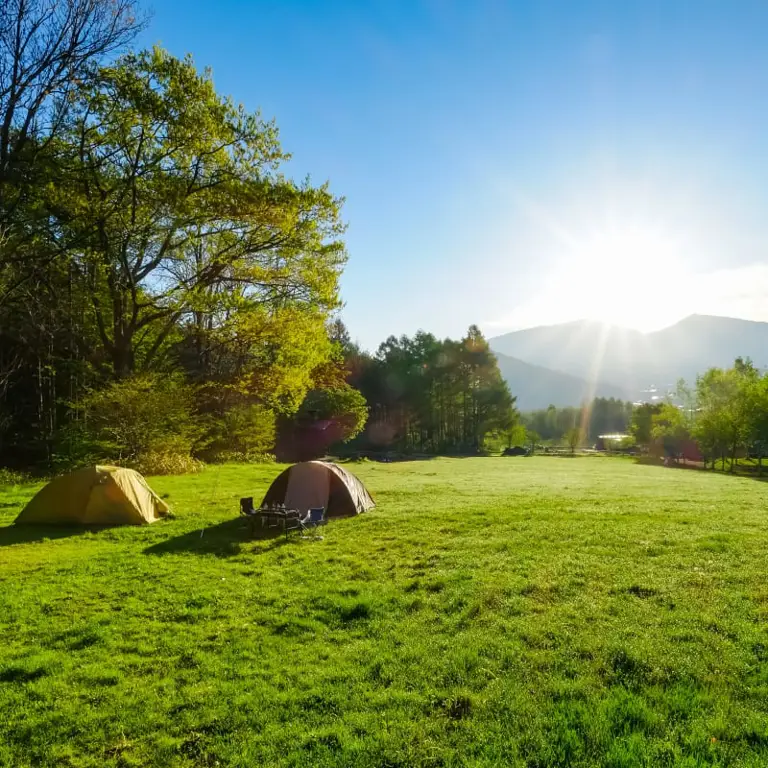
<point>612,442</point>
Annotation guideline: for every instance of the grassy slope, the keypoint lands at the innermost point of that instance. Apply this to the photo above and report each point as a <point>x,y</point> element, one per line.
<point>531,612</point>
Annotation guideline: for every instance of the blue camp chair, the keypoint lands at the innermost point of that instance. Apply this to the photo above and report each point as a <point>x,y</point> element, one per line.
<point>314,518</point>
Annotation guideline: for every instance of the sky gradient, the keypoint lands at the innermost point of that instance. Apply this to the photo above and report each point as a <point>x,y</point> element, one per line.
<point>513,164</point>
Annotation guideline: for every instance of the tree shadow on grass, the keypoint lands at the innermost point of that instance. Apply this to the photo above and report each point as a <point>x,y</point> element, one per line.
<point>748,472</point>
<point>223,540</point>
<point>27,534</point>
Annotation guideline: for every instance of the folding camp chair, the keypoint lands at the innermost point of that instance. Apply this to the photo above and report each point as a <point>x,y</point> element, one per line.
<point>312,520</point>
<point>248,511</point>
<point>291,522</point>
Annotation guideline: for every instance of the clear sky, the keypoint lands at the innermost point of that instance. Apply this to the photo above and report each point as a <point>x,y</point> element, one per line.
<point>515,163</point>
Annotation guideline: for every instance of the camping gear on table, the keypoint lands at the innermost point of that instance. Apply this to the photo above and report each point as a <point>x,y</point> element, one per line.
<point>275,516</point>
<point>98,495</point>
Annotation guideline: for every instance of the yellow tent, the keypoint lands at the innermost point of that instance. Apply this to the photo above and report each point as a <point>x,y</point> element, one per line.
<point>95,496</point>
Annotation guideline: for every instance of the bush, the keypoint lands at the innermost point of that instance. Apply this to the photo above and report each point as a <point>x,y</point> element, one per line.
<point>243,433</point>
<point>166,463</point>
<point>343,405</point>
<point>11,477</point>
<point>238,457</point>
<point>144,422</point>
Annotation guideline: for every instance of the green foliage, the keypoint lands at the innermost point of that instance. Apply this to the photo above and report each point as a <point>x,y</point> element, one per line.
<point>516,435</point>
<point>756,410</point>
<point>178,247</point>
<point>573,438</point>
<point>589,612</point>
<point>431,396</point>
<point>140,421</point>
<point>9,477</point>
<point>641,424</point>
<point>152,130</point>
<point>669,428</point>
<point>169,459</point>
<point>532,438</point>
<point>622,444</point>
<point>726,414</point>
<point>241,433</point>
<point>343,405</point>
<point>46,50</point>
<point>727,410</point>
<point>601,416</point>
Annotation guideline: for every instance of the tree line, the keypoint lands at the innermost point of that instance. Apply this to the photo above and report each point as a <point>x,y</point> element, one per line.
<point>430,395</point>
<point>153,253</point>
<point>167,292</point>
<point>723,418</point>
<point>601,416</point>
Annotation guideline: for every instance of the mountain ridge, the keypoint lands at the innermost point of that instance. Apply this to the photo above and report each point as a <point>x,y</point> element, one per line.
<point>537,387</point>
<point>630,361</point>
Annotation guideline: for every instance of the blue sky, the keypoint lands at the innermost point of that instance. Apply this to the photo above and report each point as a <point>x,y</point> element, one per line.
<point>515,163</point>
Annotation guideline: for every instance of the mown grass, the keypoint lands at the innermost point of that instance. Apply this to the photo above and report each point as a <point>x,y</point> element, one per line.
<point>524,611</point>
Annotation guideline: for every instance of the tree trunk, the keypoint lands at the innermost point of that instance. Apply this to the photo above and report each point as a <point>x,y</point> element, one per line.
<point>122,358</point>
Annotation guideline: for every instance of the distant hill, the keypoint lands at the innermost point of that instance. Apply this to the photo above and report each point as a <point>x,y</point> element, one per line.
<point>701,341</point>
<point>633,361</point>
<point>536,387</point>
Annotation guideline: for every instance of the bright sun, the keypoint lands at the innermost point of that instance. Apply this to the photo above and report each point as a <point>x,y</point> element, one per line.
<point>627,276</point>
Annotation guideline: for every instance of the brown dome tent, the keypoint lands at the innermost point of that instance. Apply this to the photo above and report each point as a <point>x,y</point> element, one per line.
<point>319,484</point>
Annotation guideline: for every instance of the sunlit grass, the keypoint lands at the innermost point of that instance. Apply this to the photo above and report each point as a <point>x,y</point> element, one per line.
<point>538,612</point>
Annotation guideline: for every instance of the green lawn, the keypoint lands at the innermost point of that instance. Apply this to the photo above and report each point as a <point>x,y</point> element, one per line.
<point>532,612</point>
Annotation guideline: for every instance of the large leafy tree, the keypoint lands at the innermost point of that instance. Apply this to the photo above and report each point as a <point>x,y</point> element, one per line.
<point>641,423</point>
<point>184,219</point>
<point>757,414</point>
<point>47,49</point>
<point>573,438</point>
<point>488,404</point>
<point>670,430</point>
<point>179,245</point>
<point>343,406</point>
<point>723,420</point>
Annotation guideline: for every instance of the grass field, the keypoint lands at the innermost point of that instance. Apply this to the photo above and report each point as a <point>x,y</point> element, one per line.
<point>490,612</point>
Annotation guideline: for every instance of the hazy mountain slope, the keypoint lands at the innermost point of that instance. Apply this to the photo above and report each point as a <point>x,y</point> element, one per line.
<point>632,360</point>
<point>585,349</point>
<point>701,341</point>
<point>537,387</point>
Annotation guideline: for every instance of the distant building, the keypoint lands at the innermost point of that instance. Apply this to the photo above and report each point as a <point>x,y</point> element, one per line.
<point>606,442</point>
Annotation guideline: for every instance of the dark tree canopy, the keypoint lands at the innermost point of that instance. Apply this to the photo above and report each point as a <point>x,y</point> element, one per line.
<point>432,396</point>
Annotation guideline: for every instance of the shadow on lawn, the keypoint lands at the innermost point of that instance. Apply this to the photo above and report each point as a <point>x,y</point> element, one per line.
<point>26,534</point>
<point>223,540</point>
<point>744,471</point>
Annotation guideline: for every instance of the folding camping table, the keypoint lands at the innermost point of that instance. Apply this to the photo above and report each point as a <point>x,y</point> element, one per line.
<point>287,519</point>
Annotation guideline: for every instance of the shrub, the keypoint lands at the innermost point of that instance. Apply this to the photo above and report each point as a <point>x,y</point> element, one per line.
<point>11,477</point>
<point>243,433</point>
<point>342,405</point>
<point>238,457</point>
<point>146,421</point>
<point>159,462</point>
